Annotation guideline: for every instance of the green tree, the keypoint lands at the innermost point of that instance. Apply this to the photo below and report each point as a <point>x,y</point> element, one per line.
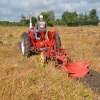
<point>93,17</point>
<point>51,18</point>
<point>51,15</point>
<point>25,22</point>
<point>60,22</point>
<point>34,20</point>
<point>23,18</point>
<point>86,19</point>
<point>65,16</point>
<point>81,19</point>
<point>70,18</point>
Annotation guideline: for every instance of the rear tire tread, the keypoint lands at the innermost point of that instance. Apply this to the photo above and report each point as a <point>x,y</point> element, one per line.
<point>26,39</point>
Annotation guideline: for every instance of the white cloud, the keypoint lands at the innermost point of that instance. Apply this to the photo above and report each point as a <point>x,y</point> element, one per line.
<point>11,10</point>
<point>98,9</point>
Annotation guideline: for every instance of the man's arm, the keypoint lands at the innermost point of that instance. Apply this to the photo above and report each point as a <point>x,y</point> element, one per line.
<point>36,25</point>
<point>45,25</point>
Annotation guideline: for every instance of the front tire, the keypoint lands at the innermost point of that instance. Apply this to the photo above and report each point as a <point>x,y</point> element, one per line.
<point>25,44</point>
<point>43,58</point>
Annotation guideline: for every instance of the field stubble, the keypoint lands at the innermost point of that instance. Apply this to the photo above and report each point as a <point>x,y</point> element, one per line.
<point>25,79</point>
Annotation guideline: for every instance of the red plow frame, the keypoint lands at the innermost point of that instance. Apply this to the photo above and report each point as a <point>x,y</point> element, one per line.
<point>62,61</point>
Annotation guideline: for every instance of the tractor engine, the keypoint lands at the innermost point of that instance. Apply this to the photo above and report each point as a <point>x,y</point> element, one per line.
<point>40,44</point>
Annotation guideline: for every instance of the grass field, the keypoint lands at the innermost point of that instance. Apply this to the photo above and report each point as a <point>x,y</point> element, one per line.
<point>24,78</point>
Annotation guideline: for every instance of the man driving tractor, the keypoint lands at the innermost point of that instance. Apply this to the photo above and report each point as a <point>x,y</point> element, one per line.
<point>40,27</point>
<point>50,48</point>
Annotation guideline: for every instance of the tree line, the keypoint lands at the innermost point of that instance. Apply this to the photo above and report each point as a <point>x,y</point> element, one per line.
<point>67,18</point>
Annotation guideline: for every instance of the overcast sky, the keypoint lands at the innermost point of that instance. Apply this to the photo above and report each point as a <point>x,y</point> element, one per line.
<point>11,10</point>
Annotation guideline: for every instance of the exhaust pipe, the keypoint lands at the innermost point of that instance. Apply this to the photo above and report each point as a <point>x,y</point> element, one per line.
<point>30,24</point>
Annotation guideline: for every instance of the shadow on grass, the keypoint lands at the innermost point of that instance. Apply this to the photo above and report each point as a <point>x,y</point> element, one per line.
<point>92,79</point>
<point>32,53</point>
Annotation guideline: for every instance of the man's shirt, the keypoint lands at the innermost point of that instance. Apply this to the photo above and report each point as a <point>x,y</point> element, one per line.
<point>41,25</point>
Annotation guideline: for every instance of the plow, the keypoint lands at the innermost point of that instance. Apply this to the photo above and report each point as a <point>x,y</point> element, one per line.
<point>50,48</point>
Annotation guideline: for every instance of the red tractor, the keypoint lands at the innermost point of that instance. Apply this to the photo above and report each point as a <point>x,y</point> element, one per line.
<point>51,49</point>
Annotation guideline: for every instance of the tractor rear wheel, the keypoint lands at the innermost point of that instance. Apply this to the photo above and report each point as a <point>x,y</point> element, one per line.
<point>57,40</point>
<point>25,44</point>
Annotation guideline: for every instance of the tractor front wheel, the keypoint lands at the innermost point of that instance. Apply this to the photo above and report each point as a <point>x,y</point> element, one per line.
<point>25,44</point>
<point>43,58</point>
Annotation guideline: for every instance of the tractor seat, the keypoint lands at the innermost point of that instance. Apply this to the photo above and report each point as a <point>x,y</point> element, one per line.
<point>41,34</point>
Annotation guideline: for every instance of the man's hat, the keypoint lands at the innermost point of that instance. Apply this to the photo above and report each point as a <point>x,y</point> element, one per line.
<point>41,16</point>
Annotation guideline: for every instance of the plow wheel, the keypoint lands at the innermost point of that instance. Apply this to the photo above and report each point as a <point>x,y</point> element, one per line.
<point>43,58</point>
<point>25,45</point>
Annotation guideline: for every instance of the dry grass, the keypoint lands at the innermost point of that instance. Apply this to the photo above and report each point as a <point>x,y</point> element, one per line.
<point>25,79</point>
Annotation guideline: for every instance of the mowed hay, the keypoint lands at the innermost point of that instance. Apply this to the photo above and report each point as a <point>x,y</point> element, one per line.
<point>24,78</point>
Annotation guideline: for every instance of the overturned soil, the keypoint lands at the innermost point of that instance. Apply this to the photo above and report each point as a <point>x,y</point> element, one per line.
<point>92,79</point>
